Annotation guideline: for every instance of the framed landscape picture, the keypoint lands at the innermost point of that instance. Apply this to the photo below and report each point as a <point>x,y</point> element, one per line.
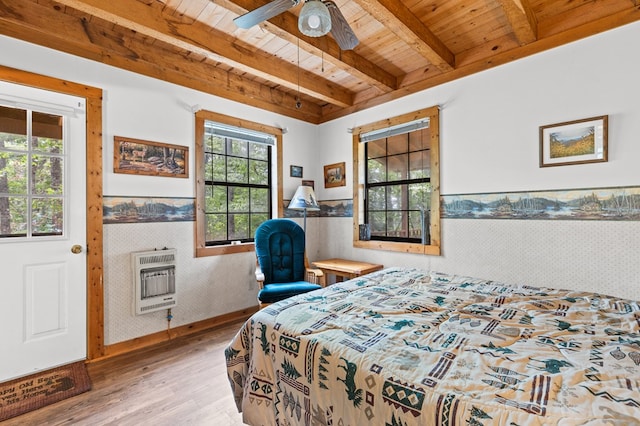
<point>334,175</point>
<point>574,142</point>
<point>139,157</point>
<point>295,171</point>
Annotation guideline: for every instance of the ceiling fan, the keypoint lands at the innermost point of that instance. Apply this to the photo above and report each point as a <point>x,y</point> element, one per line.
<point>317,18</point>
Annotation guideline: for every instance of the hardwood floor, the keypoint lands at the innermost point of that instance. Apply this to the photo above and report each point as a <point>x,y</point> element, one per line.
<point>181,382</point>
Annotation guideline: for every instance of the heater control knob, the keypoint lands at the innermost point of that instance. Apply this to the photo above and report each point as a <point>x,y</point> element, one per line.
<point>76,248</point>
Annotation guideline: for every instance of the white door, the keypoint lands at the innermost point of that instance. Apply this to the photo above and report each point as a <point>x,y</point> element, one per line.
<point>42,217</point>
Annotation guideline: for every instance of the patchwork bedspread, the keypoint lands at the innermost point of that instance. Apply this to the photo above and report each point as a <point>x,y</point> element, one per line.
<point>403,347</point>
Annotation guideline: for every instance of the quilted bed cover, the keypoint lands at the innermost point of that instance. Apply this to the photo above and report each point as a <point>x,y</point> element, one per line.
<point>403,347</point>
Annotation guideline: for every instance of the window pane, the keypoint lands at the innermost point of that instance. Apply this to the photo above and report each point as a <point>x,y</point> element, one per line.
<point>259,200</point>
<point>258,172</point>
<point>216,199</point>
<point>46,216</point>
<point>395,226</point>
<point>13,128</point>
<point>239,227</point>
<point>256,220</point>
<point>238,170</point>
<point>215,168</point>
<point>419,165</point>
<point>376,198</point>
<point>47,132</point>
<point>258,151</point>
<point>13,216</point>
<point>376,171</point>
<point>397,167</point>
<point>13,173</point>
<point>378,223</point>
<point>46,172</point>
<point>397,144</point>
<point>238,199</point>
<point>397,198</point>
<point>419,140</point>
<point>214,144</point>
<point>419,196</point>
<point>415,224</point>
<point>239,148</point>
<point>377,148</point>
<point>215,227</point>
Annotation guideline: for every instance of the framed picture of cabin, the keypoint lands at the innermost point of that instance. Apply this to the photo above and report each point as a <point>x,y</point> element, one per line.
<point>574,142</point>
<point>140,157</point>
<point>334,175</point>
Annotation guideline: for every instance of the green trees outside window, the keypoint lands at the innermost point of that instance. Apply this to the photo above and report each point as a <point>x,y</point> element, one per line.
<point>237,190</point>
<point>31,173</point>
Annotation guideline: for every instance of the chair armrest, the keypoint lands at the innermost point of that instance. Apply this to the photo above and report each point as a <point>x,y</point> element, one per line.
<point>259,276</point>
<point>315,276</point>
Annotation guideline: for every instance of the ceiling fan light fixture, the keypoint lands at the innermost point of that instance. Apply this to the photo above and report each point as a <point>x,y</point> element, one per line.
<point>314,20</point>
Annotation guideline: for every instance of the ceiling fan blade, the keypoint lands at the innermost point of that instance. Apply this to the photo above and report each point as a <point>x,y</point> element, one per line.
<point>340,29</point>
<point>264,13</point>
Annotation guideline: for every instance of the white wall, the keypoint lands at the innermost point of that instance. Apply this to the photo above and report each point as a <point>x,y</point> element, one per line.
<point>143,108</point>
<point>489,143</point>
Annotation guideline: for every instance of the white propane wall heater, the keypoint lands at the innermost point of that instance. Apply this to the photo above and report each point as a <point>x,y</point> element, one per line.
<point>154,279</point>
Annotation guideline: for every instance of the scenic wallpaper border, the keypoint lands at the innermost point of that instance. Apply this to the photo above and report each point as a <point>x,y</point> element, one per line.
<point>614,203</point>
<point>118,209</point>
<point>148,209</point>
<point>328,208</point>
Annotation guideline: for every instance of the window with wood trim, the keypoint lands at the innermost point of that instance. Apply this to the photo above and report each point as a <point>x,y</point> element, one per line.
<point>236,179</point>
<point>396,183</point>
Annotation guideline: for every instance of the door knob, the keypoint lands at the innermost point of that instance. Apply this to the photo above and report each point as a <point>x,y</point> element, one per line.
<point>76,248</point>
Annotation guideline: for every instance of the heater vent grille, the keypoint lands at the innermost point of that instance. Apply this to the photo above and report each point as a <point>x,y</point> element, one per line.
<point>154,278</point>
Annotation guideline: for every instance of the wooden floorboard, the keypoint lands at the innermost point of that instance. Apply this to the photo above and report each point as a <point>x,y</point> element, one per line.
<point>180,382</point>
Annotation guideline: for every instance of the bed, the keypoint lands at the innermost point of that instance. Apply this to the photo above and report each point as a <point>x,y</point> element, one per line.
<point>404,346</point>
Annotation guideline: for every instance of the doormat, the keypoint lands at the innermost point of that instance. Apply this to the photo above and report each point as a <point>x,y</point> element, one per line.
<point>29,393</point>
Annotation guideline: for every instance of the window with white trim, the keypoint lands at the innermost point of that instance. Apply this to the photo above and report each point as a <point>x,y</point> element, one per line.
<point>31,173</point>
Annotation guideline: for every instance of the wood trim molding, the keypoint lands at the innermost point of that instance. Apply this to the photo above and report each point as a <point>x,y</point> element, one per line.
<point>94,237</point>
<point>125,347</point>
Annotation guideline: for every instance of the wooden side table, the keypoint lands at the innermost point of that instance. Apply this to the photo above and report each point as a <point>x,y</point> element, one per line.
<point>344,269</point>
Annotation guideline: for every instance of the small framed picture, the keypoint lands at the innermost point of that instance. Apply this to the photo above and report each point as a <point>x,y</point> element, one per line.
<point>574,142</point>
<point>334,175</point>
<point>310,183</point>
<point>295,171</point>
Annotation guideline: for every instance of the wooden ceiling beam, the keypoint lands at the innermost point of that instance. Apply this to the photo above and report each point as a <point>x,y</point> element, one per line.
<point>285,26</point>
<point>521,19</point>
<point>151,20</point>
<point>477,64</point>
<point>77,35</point>
<point>404,24</point>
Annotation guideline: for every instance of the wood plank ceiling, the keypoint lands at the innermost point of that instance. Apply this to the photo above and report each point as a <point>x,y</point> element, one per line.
<point>405,46</point>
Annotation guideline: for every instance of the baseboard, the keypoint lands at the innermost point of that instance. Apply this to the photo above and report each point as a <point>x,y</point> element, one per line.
<point>127,346</point>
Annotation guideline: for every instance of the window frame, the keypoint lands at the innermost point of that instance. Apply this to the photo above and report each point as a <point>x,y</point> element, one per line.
<point>201,248</point>
<point>359,162</point>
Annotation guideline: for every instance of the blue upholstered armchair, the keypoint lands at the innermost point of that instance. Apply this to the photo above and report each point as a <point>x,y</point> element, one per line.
<point>282,269</point>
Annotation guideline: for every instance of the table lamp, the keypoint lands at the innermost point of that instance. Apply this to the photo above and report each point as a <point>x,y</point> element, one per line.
<point>304,199</point>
